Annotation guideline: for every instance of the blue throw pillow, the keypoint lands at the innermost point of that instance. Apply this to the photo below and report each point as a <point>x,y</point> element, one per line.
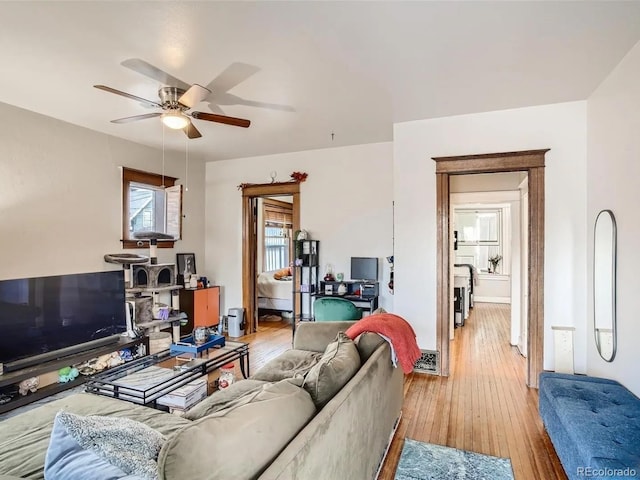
<point>67,459</point>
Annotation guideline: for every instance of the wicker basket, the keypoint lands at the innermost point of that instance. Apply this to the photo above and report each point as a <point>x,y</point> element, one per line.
<point>159,341</point>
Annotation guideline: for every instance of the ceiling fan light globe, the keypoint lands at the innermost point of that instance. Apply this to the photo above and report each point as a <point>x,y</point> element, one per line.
<point>175,120</point>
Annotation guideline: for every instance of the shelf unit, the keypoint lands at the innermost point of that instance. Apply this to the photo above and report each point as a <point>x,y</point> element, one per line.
<point>305,279</point>
<point>155,325</point>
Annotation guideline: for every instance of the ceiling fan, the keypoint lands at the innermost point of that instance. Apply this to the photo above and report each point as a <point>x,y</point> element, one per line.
<point>175,100</point>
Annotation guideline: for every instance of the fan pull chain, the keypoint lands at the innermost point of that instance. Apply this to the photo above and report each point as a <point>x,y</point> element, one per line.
<point>186,168</point>
<point>162,154</point>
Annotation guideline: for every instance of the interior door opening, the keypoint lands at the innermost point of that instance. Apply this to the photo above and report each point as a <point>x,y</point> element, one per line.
<point>274,255</point>
<point>487,252</point>
<point>533,162</point>
<point>250,240</point>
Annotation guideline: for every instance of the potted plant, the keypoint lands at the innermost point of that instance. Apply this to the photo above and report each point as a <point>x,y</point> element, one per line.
<point>494,261</point>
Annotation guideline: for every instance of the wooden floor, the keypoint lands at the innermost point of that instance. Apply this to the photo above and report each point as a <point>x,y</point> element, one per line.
<point>484,406</point>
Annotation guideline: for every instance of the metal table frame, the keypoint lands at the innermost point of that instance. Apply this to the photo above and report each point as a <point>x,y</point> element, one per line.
<point>112,382</point>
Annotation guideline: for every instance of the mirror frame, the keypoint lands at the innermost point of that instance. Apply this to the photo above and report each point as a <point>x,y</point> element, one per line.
<point>614,254</point>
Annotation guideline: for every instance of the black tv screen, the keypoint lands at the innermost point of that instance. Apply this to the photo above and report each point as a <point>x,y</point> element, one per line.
<point>364,268</point>
<point>46,314</point>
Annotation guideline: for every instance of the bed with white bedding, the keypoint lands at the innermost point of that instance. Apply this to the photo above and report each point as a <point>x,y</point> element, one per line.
<point>275,294</point>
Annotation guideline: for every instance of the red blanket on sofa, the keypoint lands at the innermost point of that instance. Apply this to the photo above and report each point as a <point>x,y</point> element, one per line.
<point>396,329</point>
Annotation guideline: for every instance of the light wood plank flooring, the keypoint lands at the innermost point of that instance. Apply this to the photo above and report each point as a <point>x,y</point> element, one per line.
<point>484,406</point>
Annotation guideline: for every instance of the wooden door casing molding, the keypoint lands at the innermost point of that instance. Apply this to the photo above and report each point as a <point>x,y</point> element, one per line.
<point>532,162</point>
<point>249,239</point>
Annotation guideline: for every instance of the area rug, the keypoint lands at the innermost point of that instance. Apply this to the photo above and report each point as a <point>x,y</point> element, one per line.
<point>425,461</point>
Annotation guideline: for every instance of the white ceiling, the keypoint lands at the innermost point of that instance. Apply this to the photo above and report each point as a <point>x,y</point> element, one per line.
<point>351,68</point>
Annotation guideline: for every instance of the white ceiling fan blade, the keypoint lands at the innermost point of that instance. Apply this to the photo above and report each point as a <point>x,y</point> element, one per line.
<point>194,95</point>
<point>230,99</point>
<point>144,101</point>
<point>233,75</point>
<point>151,71</point>
<point>135,118</point>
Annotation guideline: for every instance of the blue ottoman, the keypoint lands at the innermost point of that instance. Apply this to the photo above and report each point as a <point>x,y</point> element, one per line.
<point>594,424</point>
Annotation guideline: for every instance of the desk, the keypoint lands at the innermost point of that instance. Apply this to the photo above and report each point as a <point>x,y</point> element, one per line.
<point>366,304</point>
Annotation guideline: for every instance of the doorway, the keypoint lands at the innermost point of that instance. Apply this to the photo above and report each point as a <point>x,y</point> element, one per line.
<point>250,195</point>
<point>532,162</point>
<point>488,254</point>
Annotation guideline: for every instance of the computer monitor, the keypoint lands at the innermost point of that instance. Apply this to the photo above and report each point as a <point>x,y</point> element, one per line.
<point>364,268</point>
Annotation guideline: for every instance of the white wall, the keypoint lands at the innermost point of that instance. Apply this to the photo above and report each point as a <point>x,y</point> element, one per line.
<point>60,196</point>
<point>560,127</point>
<point>486,182</point>
<point>613,171</point>
<point>345,203</point>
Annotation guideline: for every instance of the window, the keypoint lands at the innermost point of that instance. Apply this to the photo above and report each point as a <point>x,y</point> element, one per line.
<point>276,248</point>
<point>278,220</point>
<point>481,237</point>
<point>150,203</point>
<point>478,227</point>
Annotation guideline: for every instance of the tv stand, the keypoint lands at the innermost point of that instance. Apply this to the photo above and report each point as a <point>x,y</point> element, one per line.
<point>16,376</point>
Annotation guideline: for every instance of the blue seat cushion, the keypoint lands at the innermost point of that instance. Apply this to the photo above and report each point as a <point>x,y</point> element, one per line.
<point>593,422</point>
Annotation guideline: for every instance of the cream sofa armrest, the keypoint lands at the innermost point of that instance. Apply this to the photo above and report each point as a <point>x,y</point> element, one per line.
<point>9,477</point>
<point>315,336</point>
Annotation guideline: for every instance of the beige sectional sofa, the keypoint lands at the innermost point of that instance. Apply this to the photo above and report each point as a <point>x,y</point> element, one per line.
<point>264,428</point>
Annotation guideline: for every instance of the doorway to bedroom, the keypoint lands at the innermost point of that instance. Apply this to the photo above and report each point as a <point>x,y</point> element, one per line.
<point>270,213</point>
<point>274,254</point>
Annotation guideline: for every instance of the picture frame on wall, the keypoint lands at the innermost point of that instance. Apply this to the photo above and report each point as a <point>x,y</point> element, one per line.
<point>186,266</point>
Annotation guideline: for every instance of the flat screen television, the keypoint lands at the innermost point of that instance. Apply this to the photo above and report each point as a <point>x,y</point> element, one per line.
<point>49,317</point>
<point>364,268</point>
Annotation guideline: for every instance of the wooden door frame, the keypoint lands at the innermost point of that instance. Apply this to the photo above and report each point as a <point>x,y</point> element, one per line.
<point>249,239</point>
<point>532,162</point>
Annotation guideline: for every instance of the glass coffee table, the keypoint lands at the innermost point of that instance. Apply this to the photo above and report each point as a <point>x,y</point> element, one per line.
<point>146,379</point>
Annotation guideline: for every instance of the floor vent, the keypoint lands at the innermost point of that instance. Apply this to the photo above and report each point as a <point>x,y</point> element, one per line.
<point>429,362</point>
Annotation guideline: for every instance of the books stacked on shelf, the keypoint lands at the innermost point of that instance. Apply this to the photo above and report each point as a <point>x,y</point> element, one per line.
<point>185,397</point>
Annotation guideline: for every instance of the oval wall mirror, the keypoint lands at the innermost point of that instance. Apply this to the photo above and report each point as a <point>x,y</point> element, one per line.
<point>604,284</point>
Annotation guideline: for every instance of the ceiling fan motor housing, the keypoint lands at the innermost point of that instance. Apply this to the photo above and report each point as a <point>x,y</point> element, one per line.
<point>169,97</point>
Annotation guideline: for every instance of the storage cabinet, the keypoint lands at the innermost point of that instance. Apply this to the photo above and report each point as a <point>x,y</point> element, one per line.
<point>305,278</point>
<point>202,306</point>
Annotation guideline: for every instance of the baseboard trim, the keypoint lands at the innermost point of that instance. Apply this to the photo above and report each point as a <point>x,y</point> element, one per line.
<point>506,300</point>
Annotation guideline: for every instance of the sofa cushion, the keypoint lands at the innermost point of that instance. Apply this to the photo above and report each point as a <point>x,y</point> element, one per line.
<point>77,453</point>
<point>338,364</point>
<point>222,398</point>
<point>289,364</point>
<point>24,438</point>
<point>261,425</point>
<point>592,421</point>
<point>367,343</point>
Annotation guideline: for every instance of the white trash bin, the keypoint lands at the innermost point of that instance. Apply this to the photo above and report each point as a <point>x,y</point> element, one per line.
<point>235,322</point>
